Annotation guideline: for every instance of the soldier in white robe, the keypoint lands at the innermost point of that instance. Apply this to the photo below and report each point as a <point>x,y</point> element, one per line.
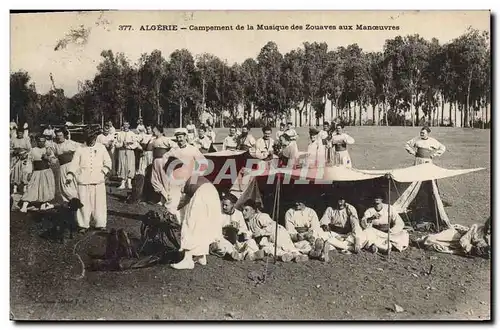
<point>424,147</point>
<point>264,146</point>
<point>192,134</point>
<point>89,167</point>
<point>316,151</point>
<point>126,143</point>
<point>211,133</point>
<point>231,141</point>
<point>377,225</point>
<point>291,131</point>
<point>146,150</point>
<point>161,146</point>
<point>200,211</point>
<point>64,150</point>
<point>41,185</point>
<point>236,240</point>
<point>323,134</point>
<point>107,139</point>
<point>112,129</point>
<point>303,226</point>
<point>190,158</point>
<point>289,154</point>
<point>341,223</point>
<point>281,131</point>
<point>263,230</point>
<point>246,141</point>
<point>20,165</point>
<point>203,142</point>
<point>338,147</point>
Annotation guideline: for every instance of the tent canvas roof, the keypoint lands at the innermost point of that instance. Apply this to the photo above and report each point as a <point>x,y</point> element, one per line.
<point>422,172</point>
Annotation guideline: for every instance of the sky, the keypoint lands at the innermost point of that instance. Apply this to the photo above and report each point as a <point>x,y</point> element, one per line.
<point>34,37</point>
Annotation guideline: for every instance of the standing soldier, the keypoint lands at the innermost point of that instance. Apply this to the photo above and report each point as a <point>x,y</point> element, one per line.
<point>108,140</point>
<point>89,167</point>
<point>64,150</point>
<point>424,147</point>
<point>20,168</point>
<point>41,187</point>
<point>338,143</point>
<point>126,142</point>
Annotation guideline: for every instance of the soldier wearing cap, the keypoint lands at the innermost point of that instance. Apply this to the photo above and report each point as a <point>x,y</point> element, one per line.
<point>281,131</point>
<point>126,143</point>
<point>289,154</point>
<point>187,155</point>
<point>338,144</point>
<point>246,141</point>
<point>236,240</point>
<point>203,142</point>
<point>377,222</point>
<point>89,167</point>
<point>303,226</point>
<point>291,131</point>
<point>341,223</point>
<point>231,141</point>
<point>264,145</point>
<point>424,147</point>
<point>316,151</point>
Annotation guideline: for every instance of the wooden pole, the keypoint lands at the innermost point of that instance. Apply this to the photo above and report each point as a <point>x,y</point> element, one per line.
<point>276,216</point>
<point>389,217</point>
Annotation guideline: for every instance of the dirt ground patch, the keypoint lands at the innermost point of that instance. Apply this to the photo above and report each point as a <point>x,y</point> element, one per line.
<point>350,287</point>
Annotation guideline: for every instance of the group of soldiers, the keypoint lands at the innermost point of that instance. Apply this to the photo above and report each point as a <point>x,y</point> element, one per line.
<point>83,169</point>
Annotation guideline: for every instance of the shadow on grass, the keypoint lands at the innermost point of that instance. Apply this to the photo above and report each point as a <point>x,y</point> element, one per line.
<point>133,216</point>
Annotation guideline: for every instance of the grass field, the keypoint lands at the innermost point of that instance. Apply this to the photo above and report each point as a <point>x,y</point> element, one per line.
<point>358,287</point>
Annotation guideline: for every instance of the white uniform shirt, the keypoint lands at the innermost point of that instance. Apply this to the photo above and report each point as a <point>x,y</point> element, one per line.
<point>89,164</point>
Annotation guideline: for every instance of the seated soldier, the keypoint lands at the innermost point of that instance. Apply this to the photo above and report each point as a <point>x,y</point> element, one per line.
<point>302,224</point>
<point>236,240</point>
<point>377,225</point>
<point>341,222</point>
<point>263,230</point>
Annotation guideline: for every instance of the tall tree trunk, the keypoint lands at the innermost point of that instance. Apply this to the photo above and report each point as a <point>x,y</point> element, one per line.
<point>461,108</point>
<point>386,117</point>
<point>180,112</point>
<point>360,114</point>
<point>296,112</point>
<point>486,113</point>
<point>301,113</point>
<point>442,112</point>
<point>308,115</point>
<point>374,119</point>
<point>456,114</point>
<point>252,108</point>
<point>350,114</point>
<point>466,115</point>
<point>450,114</point>
<point>331,110</point>
<point>417,115</point>
<point>412,114</point>
<point>355,113</point>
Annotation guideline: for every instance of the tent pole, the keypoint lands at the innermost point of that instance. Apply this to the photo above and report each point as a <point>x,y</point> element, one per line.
<point>276,216</point>
<point>277,203</point>
<point>389,218</point>
<point>436,213</point>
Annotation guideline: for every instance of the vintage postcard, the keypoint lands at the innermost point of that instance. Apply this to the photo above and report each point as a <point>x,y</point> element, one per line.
<point>250,165</point>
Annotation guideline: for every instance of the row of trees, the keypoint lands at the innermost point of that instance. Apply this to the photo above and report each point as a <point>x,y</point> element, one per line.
<point>408,83</point>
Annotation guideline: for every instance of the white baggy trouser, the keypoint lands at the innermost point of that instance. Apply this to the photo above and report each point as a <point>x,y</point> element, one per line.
<point>93,198</point>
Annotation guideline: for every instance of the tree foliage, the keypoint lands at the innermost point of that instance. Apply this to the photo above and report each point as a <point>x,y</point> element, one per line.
<point>407,82</point>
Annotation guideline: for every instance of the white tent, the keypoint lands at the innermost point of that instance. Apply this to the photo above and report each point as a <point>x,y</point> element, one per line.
<point>417,183</point>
